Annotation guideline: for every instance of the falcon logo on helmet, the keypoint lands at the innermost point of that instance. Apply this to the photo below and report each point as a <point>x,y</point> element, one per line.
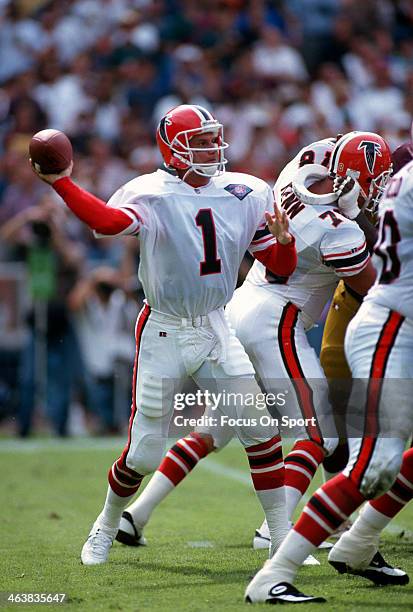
<point>174,134</point>
<point>365,157</point>
<point>371,150</point>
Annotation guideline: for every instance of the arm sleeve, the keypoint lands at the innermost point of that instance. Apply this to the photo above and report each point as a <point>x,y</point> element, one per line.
<point>345,250</point>
<point>104,219</point>
<point>262,239</point>
<point>280,259</point>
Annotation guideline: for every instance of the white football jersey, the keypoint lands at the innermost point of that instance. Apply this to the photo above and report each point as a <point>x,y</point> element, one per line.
<point>328,244</point>
<point>192,240</point>
<point>393,252</point>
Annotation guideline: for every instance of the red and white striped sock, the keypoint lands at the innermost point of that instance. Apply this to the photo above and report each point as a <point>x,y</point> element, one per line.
<point>122,480</point>
<point>301,464</point>
<point>267,473</point>
<point>379,512</point>
<point>123,484</point>
<point>330,505</point>
<point>177,463</point>
<point>328,508</point>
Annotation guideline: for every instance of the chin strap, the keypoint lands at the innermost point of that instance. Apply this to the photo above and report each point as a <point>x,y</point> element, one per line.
<point>307,175</point>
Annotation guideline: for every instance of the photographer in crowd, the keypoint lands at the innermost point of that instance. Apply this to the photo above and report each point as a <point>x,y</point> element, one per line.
<point>53,264</point>
<point>100,308</point>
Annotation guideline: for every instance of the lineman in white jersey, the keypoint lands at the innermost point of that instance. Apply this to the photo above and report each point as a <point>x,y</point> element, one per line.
<point>195,223</point>
<point>379,350</point>
<point>270,314</point>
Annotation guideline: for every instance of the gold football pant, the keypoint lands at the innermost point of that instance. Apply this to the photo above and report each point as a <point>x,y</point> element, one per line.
<point>343,307</point>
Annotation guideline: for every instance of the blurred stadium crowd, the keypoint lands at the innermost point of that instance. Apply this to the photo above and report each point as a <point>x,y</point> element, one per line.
<point>278,74</point>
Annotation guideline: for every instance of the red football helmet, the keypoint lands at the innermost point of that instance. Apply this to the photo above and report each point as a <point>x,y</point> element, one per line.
<point>174,134</point>
<point>365,157</point>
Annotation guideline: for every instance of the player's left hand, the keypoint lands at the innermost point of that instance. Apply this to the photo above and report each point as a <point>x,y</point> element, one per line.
<point>348,191</point>
<point>278,225</point>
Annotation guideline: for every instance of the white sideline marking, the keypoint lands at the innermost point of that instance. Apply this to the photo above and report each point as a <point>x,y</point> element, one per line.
<point>204,544</point>
<point>117,443</point>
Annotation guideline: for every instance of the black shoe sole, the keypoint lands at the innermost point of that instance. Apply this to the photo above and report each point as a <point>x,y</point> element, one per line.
<point>126,538</point>
<point>377,578</point>
<point>280,602</point>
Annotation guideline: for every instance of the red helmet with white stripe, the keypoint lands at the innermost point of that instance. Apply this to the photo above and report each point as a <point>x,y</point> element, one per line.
<point>365,157</point>
<point>174,134</point>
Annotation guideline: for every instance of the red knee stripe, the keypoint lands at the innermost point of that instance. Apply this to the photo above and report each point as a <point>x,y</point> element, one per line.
<point>381,356</point>
<point>263,445</point>
<point>123,484</point>
<point>288,349</point>
<point>266,464</point>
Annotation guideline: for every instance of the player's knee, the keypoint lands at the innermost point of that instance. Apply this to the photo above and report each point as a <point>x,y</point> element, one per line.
<point>147,456</point>
<point>380,475</point>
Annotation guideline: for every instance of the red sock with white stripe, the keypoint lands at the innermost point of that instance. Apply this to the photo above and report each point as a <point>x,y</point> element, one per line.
<point>267,473</point>
<point>301,464</point>
<point>330,505</point>
<point>123,484</point>
<point>177,463</point>
<point>378,513</point>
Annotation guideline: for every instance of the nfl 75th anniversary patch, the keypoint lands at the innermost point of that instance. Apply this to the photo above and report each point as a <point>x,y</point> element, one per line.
<point>238,190</point>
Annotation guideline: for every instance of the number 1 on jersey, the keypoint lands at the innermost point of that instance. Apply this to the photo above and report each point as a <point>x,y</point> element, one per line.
<point>211,263</point>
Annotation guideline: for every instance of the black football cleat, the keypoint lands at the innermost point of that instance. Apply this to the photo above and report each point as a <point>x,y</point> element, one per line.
<point>128,533</point>
<point>378,571</point>
<point>281,593</point>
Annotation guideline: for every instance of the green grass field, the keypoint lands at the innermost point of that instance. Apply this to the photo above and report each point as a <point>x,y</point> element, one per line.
<point>199,555</point>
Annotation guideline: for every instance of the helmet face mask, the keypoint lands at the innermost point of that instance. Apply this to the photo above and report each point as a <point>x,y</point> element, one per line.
<point>174,134</point>
<point>365,157</point>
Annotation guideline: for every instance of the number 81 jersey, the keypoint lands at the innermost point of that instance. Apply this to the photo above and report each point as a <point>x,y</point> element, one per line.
<point>393,252</point>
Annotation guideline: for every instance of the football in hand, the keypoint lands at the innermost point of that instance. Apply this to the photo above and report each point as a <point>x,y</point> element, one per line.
<point>50,151</point>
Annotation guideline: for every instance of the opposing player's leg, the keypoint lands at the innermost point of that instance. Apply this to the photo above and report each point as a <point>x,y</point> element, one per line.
<point>344,306</point>
<point>158,373</point>
<point>377,347</point>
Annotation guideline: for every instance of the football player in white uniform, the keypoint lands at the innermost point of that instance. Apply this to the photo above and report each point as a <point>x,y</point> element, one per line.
<point>195,223</point>
<point>271,313</point>
<point>379,350</point>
